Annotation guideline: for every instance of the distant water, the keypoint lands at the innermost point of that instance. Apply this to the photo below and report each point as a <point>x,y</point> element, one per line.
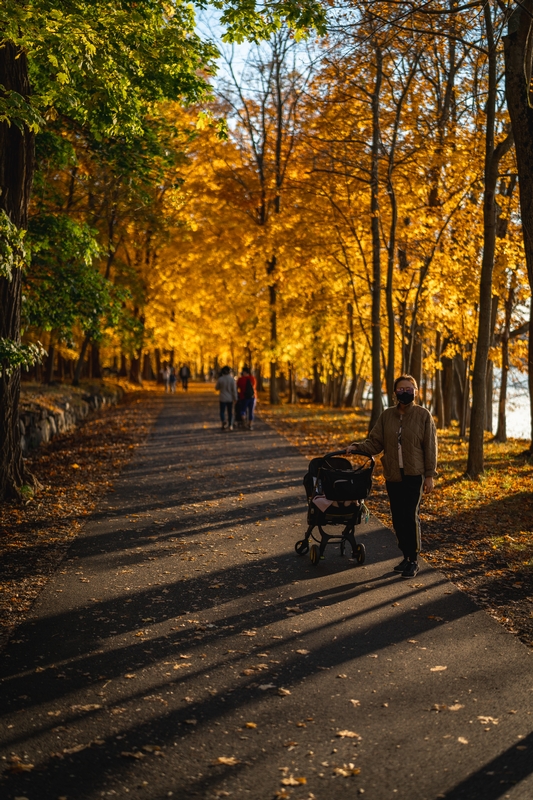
<point>518,414</point>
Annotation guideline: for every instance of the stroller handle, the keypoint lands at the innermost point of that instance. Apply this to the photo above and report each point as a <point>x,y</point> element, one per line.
<point>345,452</point>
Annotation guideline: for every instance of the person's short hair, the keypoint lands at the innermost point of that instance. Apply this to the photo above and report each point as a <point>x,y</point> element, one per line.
<point>246,369</point>
<point>405,378</point>
<point>225,370</point>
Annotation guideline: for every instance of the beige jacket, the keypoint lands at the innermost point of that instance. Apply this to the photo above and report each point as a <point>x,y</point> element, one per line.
<point>419,442</point>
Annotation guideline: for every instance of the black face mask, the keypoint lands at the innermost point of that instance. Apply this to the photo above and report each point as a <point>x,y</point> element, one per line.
<point>405,397</point>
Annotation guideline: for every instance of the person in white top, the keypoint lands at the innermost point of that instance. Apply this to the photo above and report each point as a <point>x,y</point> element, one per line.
<point>228,396</point>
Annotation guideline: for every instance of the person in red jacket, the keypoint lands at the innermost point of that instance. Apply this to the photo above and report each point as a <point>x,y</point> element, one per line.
<point>246,389</point>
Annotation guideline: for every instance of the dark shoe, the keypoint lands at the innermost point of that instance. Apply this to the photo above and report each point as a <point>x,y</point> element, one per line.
<point>402,565</point>
<point>411,570</point>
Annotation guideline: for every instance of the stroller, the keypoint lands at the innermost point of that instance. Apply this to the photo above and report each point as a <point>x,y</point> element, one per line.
<point>336,491</point>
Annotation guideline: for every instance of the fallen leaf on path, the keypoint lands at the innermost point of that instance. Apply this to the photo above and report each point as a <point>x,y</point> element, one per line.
<point>290,781</point>
<point>77,748</point>
<point>251,725</point>
<point>152,748</point>
<point>265,686</point>
<point>437,669</point>
<point>455,707</point>
<point>346,771</point>
<point>486,720</point>
<point>342,675</point>
<point>17,765</point>
<point>355,703</point>
<point>88,707</point>
<point>282,795</point>
<point>462,740</point>
<point>412,641</point>
<point>249,633</point>
<point>229,761</point>
<point>137,754</point>
<point>241,586</point>
<point>283,692</point>
<point>130,676</point>
<point>303,652</point>
<point>347,735</point>
<point>181,666</point>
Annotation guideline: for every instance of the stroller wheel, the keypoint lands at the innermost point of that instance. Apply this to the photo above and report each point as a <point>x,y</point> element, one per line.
<point>302,547</point>
<point>314,554</point>
<point>343,546</point>
<point>360,553</point>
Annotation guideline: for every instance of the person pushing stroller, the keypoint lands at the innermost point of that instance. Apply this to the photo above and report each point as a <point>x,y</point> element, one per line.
<point>407,437</point>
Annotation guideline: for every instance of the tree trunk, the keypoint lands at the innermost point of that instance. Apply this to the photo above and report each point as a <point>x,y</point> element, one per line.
<point>489,389</point>
<point>318,387</point>
<point>517,89</point>
<point>292,386</point>
<point>475,465</point>
<point>416,360</point>
<point>391,366</point>
<point>349,400</point>
<point>16,174</point>
<point>50,360</point>
<point>274,394</point>
<point>157,353</point>
<point>377,402</point>
<point>96,367</point>
<point>501,432</point>
<point>123,371</point>
<point>135,369</point>
<point>341,381</point>
<point>438,399</point>
<point>79,363</point>
<point>465,398</point>
<point>147,373</point>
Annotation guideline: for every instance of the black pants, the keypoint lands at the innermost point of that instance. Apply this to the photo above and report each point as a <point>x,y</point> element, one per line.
<point>226,407</point>
<point>404,498</point>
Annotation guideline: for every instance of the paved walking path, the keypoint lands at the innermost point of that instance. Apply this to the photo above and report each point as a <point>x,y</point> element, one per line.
<point>184,650</point>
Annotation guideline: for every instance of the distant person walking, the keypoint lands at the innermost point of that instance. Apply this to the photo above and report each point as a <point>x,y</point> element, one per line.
<point>247,396</point>
<point>185,374</point>
<point>165,375</point>
<point>407,437</point>
<point>228,395</point>
<point>173,379</point>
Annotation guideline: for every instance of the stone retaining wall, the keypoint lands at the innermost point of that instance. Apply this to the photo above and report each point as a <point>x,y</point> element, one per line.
<point>42,419</point>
